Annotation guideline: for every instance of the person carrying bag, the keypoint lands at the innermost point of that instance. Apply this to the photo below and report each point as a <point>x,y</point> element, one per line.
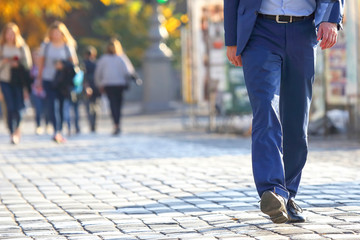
<point>112,75</point>
<point>57,60</point>
<point>15,62</point>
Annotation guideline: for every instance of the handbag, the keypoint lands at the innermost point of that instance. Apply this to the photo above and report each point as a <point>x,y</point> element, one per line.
<point>132,78</point>
<point>63,80</point>
<point>20,76</point>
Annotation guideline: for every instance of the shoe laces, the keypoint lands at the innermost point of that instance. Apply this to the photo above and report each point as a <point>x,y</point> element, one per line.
<point>295,206</point>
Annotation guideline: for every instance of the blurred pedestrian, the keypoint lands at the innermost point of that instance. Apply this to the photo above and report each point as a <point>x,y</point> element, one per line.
<point>91,90</point>
<point>3,108</point>
<point>15,58</point>
<point>111,75</point>
<point>58,56</point>
<point>72,104</point>
<point>38,96</point>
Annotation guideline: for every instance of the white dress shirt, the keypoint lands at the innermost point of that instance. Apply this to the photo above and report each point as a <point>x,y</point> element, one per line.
<point>288,7</point>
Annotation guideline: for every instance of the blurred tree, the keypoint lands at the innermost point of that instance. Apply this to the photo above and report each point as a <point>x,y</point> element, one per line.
<point>129,21</point>
<point>93,22</point>
<point>31,15</point>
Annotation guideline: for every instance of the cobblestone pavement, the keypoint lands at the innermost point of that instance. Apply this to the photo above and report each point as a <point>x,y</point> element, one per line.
<point>156,181</point>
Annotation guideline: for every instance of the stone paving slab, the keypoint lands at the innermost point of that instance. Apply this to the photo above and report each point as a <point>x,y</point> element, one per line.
<point>152,184</point>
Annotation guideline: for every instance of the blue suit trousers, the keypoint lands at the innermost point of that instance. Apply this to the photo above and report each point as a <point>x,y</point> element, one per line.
<point>279,66</point>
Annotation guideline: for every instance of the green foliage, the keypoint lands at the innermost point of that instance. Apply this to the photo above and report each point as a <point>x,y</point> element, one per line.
<point>94,22</point>
<point>129,23</point>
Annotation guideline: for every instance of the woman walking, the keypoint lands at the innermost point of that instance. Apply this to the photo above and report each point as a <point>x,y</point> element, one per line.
<point>111,75</point>
<point>57,52</point>
<point>14,55</point>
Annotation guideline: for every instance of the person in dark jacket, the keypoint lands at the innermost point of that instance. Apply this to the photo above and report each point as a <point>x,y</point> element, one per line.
<point>91,90</point>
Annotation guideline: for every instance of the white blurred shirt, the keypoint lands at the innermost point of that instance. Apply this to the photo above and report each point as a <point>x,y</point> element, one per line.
<point>288,7</point>
<point>112,70</point>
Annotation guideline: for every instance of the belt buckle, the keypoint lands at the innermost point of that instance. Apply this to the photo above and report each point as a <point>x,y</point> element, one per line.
<point>278,19</point>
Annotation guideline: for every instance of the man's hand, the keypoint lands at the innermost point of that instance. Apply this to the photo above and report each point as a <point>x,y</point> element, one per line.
<point>231,54</point>
<point>327,33</point>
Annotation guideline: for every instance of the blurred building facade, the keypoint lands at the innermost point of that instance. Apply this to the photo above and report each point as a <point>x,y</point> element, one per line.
<point>214,88</point>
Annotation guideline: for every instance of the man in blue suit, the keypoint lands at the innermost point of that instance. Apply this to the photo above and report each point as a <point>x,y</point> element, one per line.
<point>275,42</point>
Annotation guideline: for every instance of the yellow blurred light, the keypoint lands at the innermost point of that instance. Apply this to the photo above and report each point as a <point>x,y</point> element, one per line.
<point>106,2</point>
<point>134,8</point>
<point>167,12</point>
<point>119,1</point>
<point>172,24</point>
<point>184,18</point>
<point>109,2</point>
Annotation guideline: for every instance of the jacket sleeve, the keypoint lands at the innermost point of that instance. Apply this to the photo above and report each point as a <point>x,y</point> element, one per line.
<point>230,21</point>
<point>329,11</point>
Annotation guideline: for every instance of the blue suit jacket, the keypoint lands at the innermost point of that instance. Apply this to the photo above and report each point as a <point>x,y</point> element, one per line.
<point>240,17</point>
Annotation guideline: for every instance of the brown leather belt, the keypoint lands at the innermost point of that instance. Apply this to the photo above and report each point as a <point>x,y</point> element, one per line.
<point>284,18</point>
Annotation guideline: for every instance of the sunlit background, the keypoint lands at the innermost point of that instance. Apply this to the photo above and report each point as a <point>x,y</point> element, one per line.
<point>208,90</point>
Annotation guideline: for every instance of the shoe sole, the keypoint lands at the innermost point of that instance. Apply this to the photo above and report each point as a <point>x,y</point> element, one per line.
<point>272,206</point>
<point>296,221</point>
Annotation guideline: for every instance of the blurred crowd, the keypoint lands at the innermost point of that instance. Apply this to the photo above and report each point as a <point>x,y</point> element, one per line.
<point>56,82</point>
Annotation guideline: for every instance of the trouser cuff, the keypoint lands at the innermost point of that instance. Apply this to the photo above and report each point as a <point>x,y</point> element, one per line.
<point>282,192</point>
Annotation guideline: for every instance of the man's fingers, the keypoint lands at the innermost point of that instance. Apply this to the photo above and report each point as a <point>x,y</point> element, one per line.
<point>320,34</point>
<point>334,40</point>
<point>324,41</point>
<point>237,61</point>
<point>233,59</point>
<point>327,34</point>
<point>329,40</point>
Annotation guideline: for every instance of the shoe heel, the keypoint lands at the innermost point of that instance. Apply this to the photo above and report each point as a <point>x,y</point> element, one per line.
<point>282,218</point>
<point>273,207</point>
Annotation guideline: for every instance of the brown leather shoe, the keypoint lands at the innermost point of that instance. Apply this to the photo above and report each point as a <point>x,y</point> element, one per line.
<point>294,212</point>
<point>274,206</point>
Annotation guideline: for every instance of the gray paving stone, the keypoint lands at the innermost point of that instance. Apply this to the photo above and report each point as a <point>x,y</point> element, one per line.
<point>50,238</point>
<point>274,237</point>
<point>39,233</point>
<point>307,237</point>
<point>17,238</point>
<point>342,236</point>
<point>119,237</point>
<point>11,234</point>
<point>195,186</point>
<point>83,237</point>
<point>236,237</point>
